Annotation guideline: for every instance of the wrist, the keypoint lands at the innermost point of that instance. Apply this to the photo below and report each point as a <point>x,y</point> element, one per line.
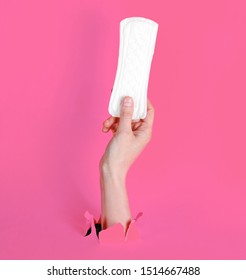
<point>111,173</point>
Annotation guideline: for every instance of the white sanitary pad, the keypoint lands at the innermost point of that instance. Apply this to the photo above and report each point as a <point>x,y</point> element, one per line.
<point>137,43</point>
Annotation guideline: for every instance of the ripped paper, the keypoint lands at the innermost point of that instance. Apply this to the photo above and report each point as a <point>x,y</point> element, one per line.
<point>112,234</point>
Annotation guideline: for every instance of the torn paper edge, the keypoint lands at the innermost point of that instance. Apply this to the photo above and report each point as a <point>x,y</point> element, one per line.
<point>114,233</point>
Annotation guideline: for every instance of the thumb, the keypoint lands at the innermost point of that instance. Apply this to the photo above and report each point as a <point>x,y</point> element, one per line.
<point>126,112</point>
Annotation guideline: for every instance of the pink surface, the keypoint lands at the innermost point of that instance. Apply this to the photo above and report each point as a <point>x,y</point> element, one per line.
<point>113,234</point>
<point>57,66</point>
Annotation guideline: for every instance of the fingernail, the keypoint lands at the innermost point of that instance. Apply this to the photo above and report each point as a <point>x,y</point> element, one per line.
<point>127,102</point>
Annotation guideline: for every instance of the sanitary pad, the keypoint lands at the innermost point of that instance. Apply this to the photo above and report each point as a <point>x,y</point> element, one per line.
<point>137,43</point>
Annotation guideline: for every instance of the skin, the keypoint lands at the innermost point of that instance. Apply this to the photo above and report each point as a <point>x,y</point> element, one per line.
<point>128,140</point>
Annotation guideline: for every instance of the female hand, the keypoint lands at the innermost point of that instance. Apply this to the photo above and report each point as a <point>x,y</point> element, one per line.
<point>129,138</point>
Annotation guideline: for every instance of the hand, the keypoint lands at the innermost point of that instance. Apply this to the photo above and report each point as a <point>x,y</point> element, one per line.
<point>129,138</point>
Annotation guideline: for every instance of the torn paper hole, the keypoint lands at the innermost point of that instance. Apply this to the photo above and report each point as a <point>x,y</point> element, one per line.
<point>113,234</point>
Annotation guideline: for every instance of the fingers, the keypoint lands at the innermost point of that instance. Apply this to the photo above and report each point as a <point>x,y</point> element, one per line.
<point>127,108</point>
<point>150,114</point>
<point>107,124</point>
<point>125,122</point>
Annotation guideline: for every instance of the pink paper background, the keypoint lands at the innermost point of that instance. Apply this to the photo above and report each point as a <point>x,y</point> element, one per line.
<point>57,66</point>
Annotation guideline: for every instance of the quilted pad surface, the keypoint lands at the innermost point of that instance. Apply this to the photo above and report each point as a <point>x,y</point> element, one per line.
<point>137,43</point>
